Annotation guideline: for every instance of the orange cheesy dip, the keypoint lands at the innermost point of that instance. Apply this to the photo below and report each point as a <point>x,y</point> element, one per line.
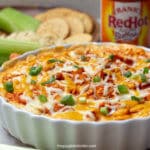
<point>82,83</point>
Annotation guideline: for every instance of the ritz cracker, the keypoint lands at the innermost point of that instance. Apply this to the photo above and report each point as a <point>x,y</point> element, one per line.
<point>125,21</point>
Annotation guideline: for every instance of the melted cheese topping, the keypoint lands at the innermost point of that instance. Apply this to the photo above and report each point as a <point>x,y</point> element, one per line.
<point>92,72</point>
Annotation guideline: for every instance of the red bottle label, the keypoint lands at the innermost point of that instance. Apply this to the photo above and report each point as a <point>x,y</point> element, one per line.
<point>125,21</point>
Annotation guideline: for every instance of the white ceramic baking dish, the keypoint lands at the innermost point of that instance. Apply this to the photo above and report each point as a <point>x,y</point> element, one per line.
<point>50,134</point>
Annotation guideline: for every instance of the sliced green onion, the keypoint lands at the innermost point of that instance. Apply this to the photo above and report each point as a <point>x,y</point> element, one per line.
<point>111,57</point>
<point>146,70</point>
<point>143,78</point>
<point>123,89</point>
<point>104,111</point>
<point>128,74</point>
<point>68,100</point>
<point>77,67</point>
<point>34,71</point>
<point>55,60</point>
<point>82,100</point>
<point>83,58</point>
<point>33,82</point>
<point>51,80</point>
<point>134,98</point>
<point>9,87</point>
<point>42,98</point>
<point>96,79</point>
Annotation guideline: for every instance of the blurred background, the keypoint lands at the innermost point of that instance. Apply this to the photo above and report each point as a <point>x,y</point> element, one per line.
<point>84,5</point>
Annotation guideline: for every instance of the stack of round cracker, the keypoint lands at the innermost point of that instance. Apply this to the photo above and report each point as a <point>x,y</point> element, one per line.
<point>66,25</point>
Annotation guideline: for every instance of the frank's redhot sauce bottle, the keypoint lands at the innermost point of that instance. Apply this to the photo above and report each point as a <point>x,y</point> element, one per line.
<point>125,21</point>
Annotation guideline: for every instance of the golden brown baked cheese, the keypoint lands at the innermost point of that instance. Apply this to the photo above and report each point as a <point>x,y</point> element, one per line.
<point>88,83</point>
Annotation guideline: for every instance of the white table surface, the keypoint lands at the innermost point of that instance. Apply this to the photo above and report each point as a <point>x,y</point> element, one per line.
<point>90,6</point>
<point>6,138</point>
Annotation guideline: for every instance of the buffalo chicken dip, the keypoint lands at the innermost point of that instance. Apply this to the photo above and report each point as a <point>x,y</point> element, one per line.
<point>82,83</point>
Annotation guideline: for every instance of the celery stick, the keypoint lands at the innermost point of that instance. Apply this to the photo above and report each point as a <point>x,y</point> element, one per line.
<point>12,20</point>
<point>3,58</point>
<point>8,46</point>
